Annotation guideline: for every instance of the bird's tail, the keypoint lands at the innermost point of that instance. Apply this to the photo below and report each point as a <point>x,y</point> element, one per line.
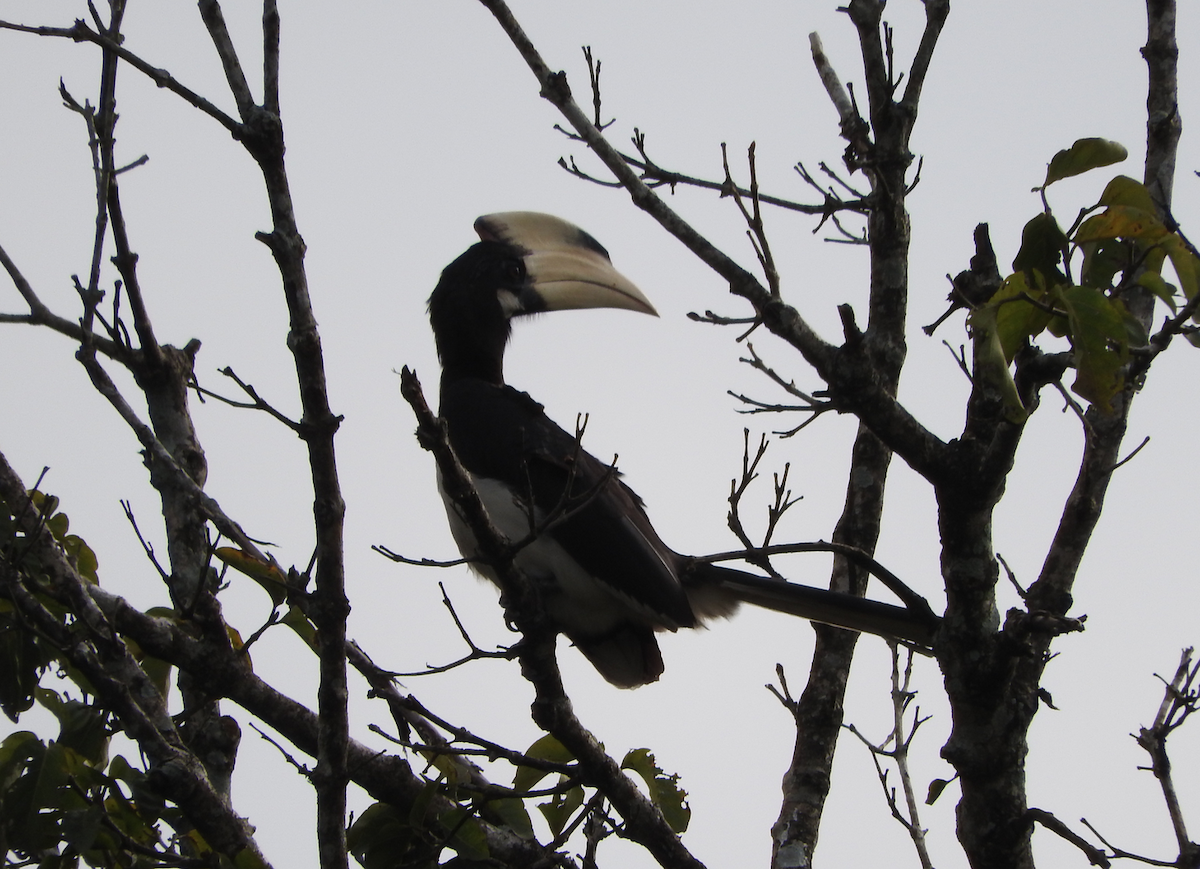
<point>710,582</point>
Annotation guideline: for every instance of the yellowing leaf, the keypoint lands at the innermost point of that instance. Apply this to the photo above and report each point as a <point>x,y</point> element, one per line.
<point>1123,190</point>
<point>235,640</point>
<point>1187,267</point>
<point>1122,221</point>
<point>1154,282</point>
<point>305,630</point>
<point>267,574</point>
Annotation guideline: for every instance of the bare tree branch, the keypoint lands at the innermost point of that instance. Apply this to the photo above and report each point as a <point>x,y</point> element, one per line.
<point>900,738</point>
<point>81,33</point>
<point>552,710</point>
<point>1181,699</point>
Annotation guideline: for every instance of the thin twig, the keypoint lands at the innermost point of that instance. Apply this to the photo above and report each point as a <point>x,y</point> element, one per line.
<point>146,547</point>
<point>1136,450</point>
<point>81,33</point>
<point>418,562</point>
<point>1096,856</point>
<point>256,402</point>
<point>900,738</point>
<point>1180,700</point>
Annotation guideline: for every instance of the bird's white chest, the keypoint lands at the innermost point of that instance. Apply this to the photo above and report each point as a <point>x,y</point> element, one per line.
<point>576,601</point>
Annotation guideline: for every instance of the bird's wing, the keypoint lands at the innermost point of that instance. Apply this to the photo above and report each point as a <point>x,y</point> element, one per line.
<point>503,435</point>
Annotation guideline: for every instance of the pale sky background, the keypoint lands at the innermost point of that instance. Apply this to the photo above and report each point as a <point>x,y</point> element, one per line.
<point>405,121</point>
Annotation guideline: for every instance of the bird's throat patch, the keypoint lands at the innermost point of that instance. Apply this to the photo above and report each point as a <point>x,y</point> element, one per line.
<point>510,303</point>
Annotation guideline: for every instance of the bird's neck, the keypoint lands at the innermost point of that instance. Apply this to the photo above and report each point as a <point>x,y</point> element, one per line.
<point>488,367</point>
<point>472,354</point>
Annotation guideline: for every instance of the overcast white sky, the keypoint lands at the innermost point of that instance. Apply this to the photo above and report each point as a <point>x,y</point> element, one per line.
<point>405,121</point>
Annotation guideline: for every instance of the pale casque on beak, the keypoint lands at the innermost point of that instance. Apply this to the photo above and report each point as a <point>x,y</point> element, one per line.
<point>568,269</point>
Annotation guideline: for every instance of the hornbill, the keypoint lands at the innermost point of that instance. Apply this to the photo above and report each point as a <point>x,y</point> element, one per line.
<point>607,581</point>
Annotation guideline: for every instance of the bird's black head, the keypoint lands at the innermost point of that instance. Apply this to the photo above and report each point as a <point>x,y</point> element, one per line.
<point>471,308</point>
<point>526,263</point>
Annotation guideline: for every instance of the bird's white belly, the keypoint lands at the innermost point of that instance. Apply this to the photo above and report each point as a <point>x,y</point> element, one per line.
<point>577,602</point>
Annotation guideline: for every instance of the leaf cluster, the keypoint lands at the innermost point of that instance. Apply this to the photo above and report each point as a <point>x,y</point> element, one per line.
<point>450,811</point>
<point>1118,248</point>
<point>24,655</point>
<point>62,801</point>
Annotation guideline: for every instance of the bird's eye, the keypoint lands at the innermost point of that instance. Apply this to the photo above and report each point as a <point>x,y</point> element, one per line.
<point>515,270</point>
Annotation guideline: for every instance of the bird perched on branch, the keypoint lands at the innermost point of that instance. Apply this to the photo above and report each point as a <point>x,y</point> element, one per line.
<point>607,581</point>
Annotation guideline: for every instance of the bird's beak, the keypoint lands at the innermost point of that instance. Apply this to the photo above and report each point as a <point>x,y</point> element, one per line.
<point>567,268</point>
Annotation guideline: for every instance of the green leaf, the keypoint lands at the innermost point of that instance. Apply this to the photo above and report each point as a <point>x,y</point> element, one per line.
<point>131,819</point>
<point>58,525</point>
<point>46,504</point>
<point>50,775</point>
<point>990,365</point>
<point>1042,245</point>
<point>1083,156</point>
<point>466,834</point>
<point>512,814</point>
<point>235,640</point>
<point>382,838</point>
<point>1018,319</point>
<point>18,752</point>
<point>419,810</point>
<point>81,727</point>
<point>1154,282</point>
<point>17,748</point>
<point>22,662</point>
<point>1103,259</point>
<point>159,672</point>
<point>150,804</point>
<point>559,809</point>
<point>935,790</point>
<point>157,669</point>
<point>452,769</point>
<point>82,557</point>
<point>80,827</point>
<point>548,749</point>
<point>1100,337</point>
<point>22,765</point>
<point>665,791</point>
<point>247,858</point>
<point>59,861</point>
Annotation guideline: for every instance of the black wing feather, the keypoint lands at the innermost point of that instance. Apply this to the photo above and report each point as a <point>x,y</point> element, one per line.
<point>504,435</point>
